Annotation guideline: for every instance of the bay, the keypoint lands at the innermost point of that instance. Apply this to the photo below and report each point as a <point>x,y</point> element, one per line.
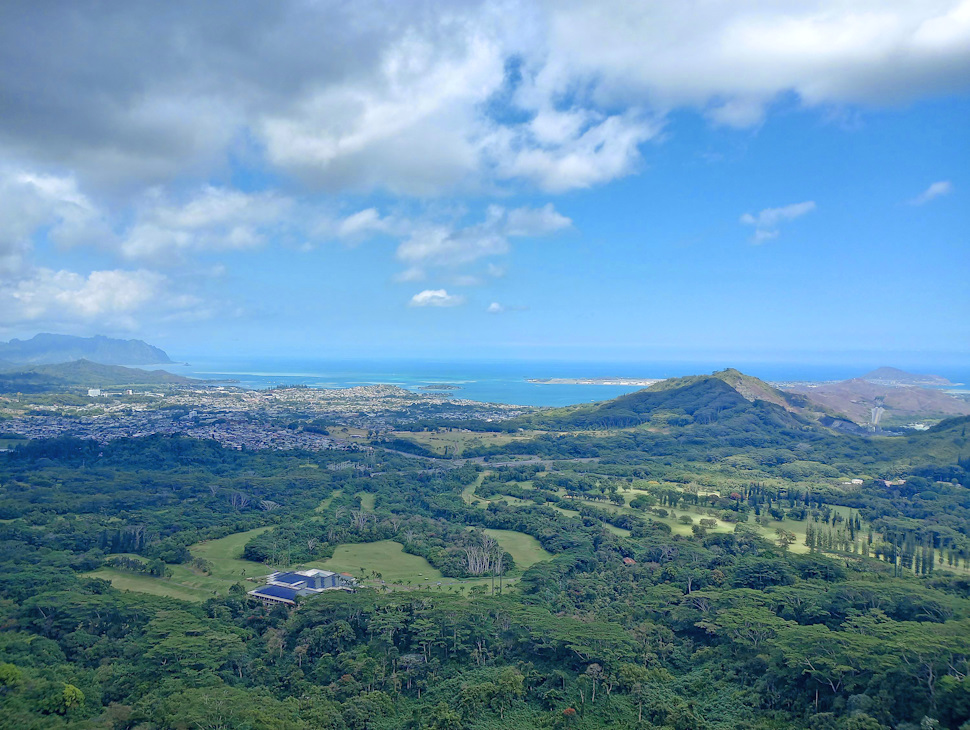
<point>490,382</point>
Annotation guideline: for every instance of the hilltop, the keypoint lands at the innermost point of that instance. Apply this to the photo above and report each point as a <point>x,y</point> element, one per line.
<point>82,374</point>
<point>747,386</point>
<point>698,399</point>
<point>50,349</point>
<point>895,376</point>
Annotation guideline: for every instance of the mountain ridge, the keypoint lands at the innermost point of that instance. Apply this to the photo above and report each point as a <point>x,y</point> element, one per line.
<point>48,349</point>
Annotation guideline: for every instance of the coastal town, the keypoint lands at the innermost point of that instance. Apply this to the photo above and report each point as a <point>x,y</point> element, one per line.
<point>278,418</point>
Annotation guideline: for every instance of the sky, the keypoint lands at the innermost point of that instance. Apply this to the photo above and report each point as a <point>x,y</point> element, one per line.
<point>748,180</point>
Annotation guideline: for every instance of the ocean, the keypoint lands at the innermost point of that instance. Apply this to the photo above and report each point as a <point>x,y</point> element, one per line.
<point>495,382</point>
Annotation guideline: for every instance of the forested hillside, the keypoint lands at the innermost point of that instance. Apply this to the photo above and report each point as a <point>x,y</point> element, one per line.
<point>81,374</point>
<point>722,573</point>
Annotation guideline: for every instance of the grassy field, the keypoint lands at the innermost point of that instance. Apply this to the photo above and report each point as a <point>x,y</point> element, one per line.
<point>397,569</point>
<point>225,554</point>
<point>188,584</point>
<point>525,549</point>
<point>325,504</point>
<point>385,557</point>
<point>125,581</point>
<point>468,493</point>
<point>367,500</point>
<point>621,531</point>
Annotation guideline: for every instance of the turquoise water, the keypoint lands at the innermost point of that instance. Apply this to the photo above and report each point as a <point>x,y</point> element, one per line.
<point>497,382</point>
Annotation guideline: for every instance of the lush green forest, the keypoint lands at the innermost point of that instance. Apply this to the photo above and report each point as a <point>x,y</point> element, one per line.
<point>703,562</point>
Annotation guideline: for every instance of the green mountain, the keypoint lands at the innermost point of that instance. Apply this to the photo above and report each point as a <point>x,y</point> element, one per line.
<point>82,374</point>
<point>699,399</point>
<point>48,349</point>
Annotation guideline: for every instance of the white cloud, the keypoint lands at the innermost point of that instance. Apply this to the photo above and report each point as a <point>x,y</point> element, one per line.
<point>212,219</point>
<point>536,221</point>
<point>735,57</point>
<point>419,98</point>
<point>767,221</point>
<point>450,245</point>
<point>444,246</point>
<point>436,298</point>
<point>112,298</point>
<point>936,190</point>
<point>30,202</point>
<point>603,151</point>
<point>363,223</point>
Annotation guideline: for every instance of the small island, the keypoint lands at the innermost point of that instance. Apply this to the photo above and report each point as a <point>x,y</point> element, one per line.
<point>439,386</point>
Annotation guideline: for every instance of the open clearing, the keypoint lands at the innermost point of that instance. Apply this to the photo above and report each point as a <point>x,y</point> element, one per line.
<point>468,493</point>
<point>188,584</point>
<point>525,549</point>
<point>125,581</point>
<point>397,569</point>
<point>367,501</point>
<point>325,504</point>
<point>386,558</point>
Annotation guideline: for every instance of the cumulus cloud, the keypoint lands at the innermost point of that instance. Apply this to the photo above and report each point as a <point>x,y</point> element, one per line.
<point>936,190</point>
<point>436,298</point>
<point>212,219</point>
<point>30,202</point>
<point>450,245</point>
<point>767,222</point>
<point>363,223</point>
<point>111,298</point>
<point>423,98</point>
<point>733,59</point>
<point>536,221</point>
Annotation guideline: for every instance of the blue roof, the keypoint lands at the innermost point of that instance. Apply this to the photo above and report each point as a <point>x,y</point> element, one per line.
<point>283,592</point>
<point>290,578</point>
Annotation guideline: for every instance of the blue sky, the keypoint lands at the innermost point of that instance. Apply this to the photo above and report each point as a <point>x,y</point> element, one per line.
<point>493,180</point>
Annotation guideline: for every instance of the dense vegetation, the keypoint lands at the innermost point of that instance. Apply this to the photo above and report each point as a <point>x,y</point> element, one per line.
<point>630,624</point>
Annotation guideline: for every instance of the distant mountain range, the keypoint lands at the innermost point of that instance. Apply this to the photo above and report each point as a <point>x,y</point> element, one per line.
<point>50,349</point>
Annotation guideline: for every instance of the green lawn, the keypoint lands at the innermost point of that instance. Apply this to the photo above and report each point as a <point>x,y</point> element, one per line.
<point>525,549</point>
<point>385,557</point>
<point>397,568</point>
<point>367,500</point>
<point>189,584</point>
<point>125,581</point>
<point>325,504</point>
<point>622,532</point>
<point>468,493</point>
